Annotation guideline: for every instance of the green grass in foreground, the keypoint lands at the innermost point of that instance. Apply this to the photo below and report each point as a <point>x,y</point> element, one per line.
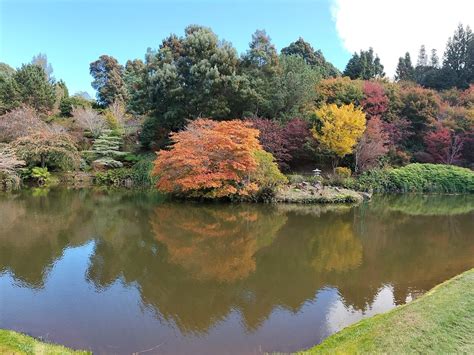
<point>16,343</point>
<point>441,321</point>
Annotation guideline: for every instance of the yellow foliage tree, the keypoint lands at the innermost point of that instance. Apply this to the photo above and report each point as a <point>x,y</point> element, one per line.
<point>339,128</point>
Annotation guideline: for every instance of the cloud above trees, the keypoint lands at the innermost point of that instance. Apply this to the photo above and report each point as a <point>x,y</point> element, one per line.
<point>393,27</point>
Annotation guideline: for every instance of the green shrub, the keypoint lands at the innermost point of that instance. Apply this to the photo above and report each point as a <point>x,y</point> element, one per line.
<point>116,177</point>
<point>343,172</point>
<point>418,178</point>
<point>373,180</point>
<point>136,176</point>
<point>142,171</point>
<point>9,180</point>
<point>295,178</point>
<point>41,175</point>
<point>131,158</point>
<point>267,175</point>
<point>55,151</point>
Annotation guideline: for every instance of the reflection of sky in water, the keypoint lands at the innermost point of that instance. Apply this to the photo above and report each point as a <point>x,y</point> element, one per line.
<point>340,315</point>
<point>261,279</point>
<point>66,305</point>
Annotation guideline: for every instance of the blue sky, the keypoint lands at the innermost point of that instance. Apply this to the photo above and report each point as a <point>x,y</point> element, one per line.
<point>74,33</point>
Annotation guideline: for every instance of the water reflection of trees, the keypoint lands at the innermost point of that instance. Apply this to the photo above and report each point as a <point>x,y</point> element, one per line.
<point>34,231</point>
<point>194,264</point>
<point>215,243</point>
<point>429,205</point>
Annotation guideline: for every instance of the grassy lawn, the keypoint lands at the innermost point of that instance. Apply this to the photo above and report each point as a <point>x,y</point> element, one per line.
<point>15,343</point>
<point>441,321</point>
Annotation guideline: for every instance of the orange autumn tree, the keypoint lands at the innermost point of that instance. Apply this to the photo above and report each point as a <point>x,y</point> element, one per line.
<point>213,159</point>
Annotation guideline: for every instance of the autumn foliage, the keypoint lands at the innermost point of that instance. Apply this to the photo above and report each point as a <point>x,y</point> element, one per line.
<point>212,159</point>
<point>338,128</point>
<point>443,146</point>
<point>287,142</point>
<point>372,145</point>
<point>375,102</point>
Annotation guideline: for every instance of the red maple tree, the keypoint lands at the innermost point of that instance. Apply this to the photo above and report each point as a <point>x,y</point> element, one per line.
<point>209,159</point>
<point>372,145</point>
<point>443,146</point>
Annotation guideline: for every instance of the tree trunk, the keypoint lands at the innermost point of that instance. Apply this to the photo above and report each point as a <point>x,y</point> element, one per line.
<point>335,162</point>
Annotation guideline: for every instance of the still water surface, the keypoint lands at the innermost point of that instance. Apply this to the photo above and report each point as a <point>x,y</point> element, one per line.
<point>124,272</point>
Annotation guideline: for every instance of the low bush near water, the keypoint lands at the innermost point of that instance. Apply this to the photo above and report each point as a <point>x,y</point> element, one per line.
<point>417,178</point>
<point>139,175</point>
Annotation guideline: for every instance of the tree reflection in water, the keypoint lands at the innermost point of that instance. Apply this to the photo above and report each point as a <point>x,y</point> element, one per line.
<point>193,265</point>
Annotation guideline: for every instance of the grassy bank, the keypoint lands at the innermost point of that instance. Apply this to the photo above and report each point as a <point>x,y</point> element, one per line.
<point>16,343</point>
<point>441,321</point>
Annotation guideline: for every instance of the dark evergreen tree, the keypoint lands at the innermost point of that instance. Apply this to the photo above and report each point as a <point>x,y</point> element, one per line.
<point>9,94</point>
<point>364,65</point>
<point>311,57</point>
<point>422,57</point>
<point>262,52</point>
<point>9,97</point>
<point>197,76</point>
<point>135,81</point>
<point>405,70</point>
<point>259,66</point>
<point>33,87</point>
<point>458,56</point>
<point>434,59</point>
<point>108,80</point>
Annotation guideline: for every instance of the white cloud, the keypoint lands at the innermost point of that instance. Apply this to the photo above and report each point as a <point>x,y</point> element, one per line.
<point>393,27</point>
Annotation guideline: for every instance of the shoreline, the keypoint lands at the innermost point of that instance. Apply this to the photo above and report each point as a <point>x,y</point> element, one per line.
<point>441,320</point>
<point>12,342</point>
<point>289,194</point>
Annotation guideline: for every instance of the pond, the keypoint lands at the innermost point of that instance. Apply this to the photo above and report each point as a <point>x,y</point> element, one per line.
<point>123,272</point>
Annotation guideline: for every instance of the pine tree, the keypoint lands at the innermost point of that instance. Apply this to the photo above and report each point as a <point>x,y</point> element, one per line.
<point>364,65</point>
<point>458,56</point>
<point>106,149</point>
<point>314,58</point>
<point>434,59</point>
<point>405,70</point>
<point>262,52</point>
<point>33,87</point>
<point>422,57</point>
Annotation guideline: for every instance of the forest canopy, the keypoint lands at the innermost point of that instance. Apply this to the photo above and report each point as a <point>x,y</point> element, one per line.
<point>305,111</point>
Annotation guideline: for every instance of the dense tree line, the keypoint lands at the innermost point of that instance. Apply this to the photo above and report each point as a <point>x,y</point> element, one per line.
<point>306,110</point>
<point>455,70</point>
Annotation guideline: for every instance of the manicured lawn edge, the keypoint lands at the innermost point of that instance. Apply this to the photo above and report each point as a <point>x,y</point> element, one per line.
<point>441,321</point>
<point>16,343</point>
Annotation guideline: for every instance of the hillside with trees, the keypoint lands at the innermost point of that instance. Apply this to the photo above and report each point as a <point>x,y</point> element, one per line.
<point>295,107</point>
